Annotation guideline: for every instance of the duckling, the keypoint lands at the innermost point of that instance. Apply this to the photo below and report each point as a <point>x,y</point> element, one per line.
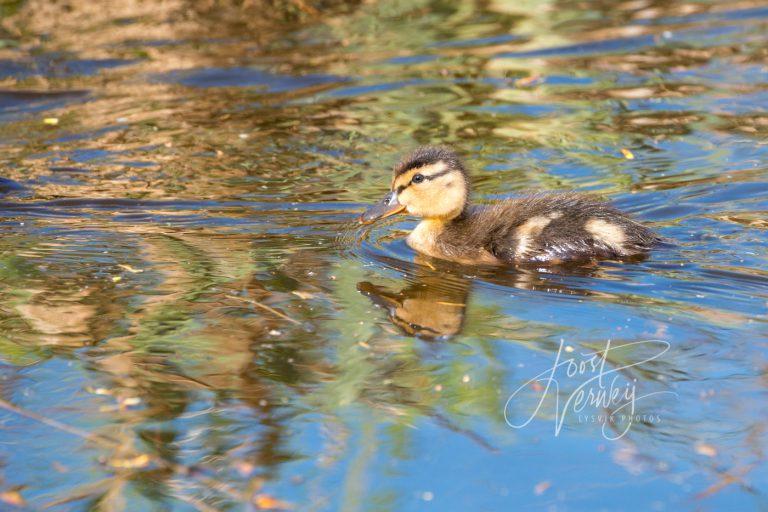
<point>553,228</point>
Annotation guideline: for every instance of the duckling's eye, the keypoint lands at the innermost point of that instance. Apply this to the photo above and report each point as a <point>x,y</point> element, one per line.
<point>417,178</point>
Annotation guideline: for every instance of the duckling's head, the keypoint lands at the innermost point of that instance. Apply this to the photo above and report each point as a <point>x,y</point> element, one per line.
<point>431,182</point>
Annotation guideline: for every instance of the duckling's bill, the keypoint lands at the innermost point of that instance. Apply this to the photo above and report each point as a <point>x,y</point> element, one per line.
<point>384,208</point>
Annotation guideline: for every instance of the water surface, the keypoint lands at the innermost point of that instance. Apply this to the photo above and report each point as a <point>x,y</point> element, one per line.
<point>191,319</point>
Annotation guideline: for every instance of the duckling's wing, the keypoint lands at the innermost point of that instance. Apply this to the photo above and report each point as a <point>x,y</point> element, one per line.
<point>561,228</point>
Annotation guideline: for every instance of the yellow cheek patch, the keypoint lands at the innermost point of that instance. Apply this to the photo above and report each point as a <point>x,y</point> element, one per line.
<point>405,197</point>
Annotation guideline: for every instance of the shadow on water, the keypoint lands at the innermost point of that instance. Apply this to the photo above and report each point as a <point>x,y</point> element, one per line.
<point>190,318</point>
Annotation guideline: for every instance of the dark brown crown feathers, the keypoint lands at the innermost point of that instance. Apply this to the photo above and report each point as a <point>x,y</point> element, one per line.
<point>428,155</point>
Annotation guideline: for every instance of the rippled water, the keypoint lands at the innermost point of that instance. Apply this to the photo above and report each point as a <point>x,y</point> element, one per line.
<point>192,320</point>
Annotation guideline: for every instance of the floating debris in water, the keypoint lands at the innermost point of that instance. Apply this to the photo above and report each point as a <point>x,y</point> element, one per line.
<point>140,461</point>
<point>706,449</point>
<point>245,468</point>
<point>528,81</point>
<point>98,391</point>
<point>130,269</point>
<point>13,497</point>
<point>627,154</point>
<point>267,502</point>
<point>129,401</point>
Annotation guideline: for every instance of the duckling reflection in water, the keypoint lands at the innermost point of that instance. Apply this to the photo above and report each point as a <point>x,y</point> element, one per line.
<point>432,183</point>
<point>433,304</point>
<point>431,308</point>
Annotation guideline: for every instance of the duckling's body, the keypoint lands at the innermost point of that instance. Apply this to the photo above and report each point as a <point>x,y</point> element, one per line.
<point>552,228</point>
<point>539,228</point>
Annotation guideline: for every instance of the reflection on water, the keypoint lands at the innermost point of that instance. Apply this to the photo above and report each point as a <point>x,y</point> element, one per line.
<point>431,303</point>
<point>429,308</point>
<point>190,318</point>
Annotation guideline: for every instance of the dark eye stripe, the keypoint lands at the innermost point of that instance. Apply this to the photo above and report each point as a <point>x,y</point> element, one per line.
<point>433,176</point>
<point>412,327</point>
<point>426,177</point>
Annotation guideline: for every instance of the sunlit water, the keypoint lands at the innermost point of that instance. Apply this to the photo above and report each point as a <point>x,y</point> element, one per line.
<point>192,320</point>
